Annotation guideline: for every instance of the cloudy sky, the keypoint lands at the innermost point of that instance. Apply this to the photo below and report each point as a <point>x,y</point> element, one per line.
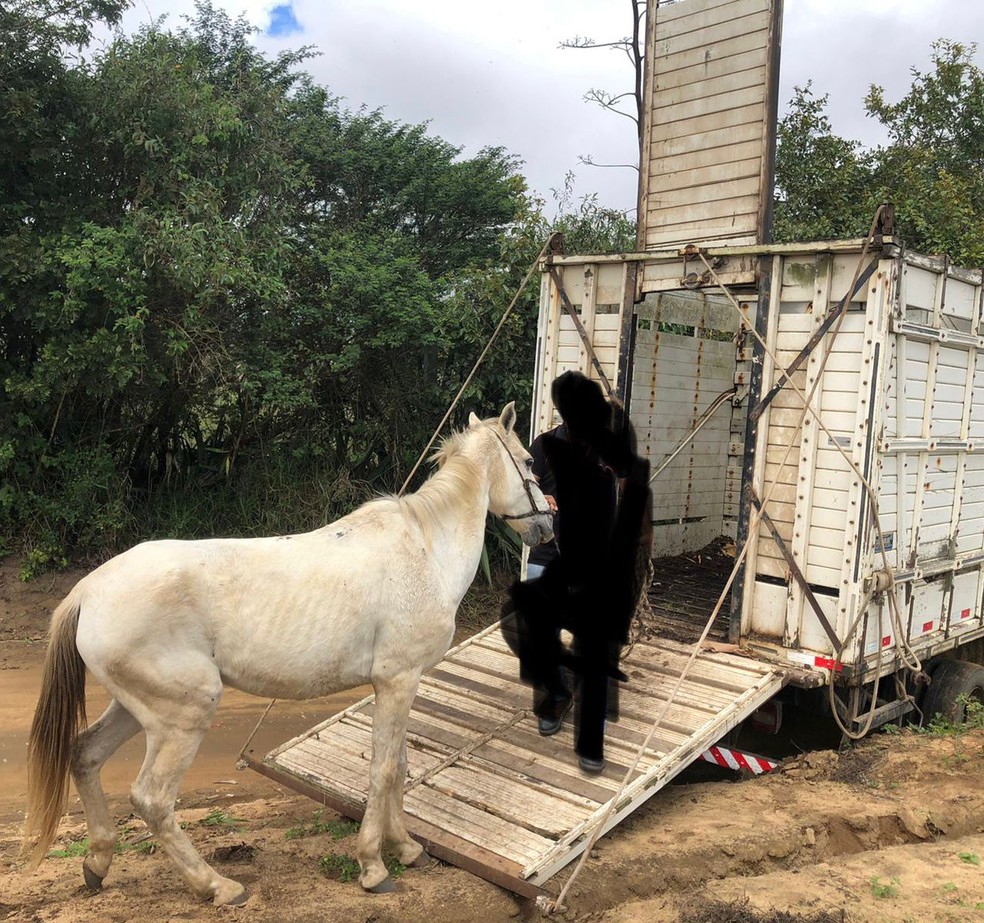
<point>493,74</point>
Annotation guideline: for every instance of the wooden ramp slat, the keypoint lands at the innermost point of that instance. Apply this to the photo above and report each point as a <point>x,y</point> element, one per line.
<point>533,810</point>
<point>485,791</point>
<point>493,833</point>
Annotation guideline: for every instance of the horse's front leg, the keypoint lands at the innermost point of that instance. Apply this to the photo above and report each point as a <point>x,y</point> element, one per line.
<point>408,851</point>
<point>387,770</point>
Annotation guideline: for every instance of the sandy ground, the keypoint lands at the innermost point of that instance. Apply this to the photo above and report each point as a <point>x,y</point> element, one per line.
<point>891,831</point>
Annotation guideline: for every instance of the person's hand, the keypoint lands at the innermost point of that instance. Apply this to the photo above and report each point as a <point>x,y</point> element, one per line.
<point>551,502</point>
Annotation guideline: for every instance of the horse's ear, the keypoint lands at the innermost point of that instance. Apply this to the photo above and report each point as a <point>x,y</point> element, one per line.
<point>473,420</point>
<point>507,419</point>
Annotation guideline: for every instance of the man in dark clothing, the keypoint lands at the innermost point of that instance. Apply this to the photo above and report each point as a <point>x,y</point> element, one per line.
<point>552,696</point>
<point>541,555</point>
<point>602,504</point>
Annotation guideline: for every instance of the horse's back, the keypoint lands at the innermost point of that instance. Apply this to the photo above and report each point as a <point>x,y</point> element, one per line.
<point>291,616</point>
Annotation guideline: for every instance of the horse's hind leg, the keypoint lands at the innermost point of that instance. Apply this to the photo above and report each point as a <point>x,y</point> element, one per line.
<point>92,748</point>
<point>386,771</point>
<point>175,715</point>
<point>170,751</point>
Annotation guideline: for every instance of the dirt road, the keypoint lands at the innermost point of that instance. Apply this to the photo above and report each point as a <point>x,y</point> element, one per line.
<point>889,832</point>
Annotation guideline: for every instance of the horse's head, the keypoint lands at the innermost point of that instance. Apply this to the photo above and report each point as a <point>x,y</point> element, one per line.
<point>513,493</point>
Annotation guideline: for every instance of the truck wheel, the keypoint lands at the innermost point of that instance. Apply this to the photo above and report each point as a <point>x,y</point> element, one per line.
<point>955,682</point>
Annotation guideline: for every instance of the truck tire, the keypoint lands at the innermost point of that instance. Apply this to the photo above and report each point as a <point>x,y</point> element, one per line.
<point>952,680</point>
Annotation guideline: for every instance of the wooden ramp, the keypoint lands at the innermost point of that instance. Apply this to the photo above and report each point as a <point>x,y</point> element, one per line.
<point>486,792</point>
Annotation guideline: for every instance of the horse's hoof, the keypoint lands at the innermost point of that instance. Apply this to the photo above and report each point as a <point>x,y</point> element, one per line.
<point>93,881</point>
<point>386,886</point>
<point>422,861</point>
<point>239,900</point>
<point>236,900</point>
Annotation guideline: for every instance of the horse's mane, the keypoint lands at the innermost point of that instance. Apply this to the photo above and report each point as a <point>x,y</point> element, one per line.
<point>429,505</point>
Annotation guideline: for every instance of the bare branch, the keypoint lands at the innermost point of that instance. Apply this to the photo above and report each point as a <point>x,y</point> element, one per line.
<point>582,42</point>
<point>604,97</point>
<point>588,161</point>
<point>579,41</point>
<point>632,47</point>
<point>608,101</point>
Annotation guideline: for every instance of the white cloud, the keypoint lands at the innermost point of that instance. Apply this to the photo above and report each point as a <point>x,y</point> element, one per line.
<point>845,46</point>
<point>492,74</point>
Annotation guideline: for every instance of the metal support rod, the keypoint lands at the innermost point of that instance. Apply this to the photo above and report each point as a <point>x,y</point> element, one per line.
<point>794,569</point>
<point>701,422</point>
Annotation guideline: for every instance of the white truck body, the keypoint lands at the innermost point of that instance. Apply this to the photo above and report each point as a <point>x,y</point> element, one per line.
<point>899,404</point>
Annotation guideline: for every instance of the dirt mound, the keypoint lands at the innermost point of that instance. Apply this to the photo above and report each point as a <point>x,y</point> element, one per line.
<point>25,607</point>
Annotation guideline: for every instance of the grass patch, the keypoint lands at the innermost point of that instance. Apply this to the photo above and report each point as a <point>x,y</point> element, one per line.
<point>142,846</point>
<point>339,867</point>
<point>884,889</point>
<point>394,867</point>
<point>79,849</point>
<point>971,858</point>
<point>336,829</point>
<point>219,818</point>
<point>939,726</point>
<point>342,867</point>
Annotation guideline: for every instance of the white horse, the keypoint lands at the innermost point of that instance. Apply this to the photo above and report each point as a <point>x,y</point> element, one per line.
<point>164,626</point>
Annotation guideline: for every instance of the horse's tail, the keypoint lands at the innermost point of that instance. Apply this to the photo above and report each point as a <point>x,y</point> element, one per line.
<point>58,718</point>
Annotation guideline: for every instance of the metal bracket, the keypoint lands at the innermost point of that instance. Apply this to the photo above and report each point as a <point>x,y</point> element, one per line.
<point>693,280</point>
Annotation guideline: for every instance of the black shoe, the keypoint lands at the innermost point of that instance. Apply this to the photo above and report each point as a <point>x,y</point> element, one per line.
<point>590,765</point>
<point>548,726</point>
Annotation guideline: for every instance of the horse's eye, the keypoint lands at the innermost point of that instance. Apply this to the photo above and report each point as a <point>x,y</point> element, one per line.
<point>529,464</point>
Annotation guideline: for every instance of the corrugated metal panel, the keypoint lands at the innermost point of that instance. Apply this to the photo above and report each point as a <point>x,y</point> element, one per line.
<point>900,395</point>
<point>814,494</point>
<point>710,100</point>
<point>684,359</point>
<point>601,294</point>
<point>493,794</point>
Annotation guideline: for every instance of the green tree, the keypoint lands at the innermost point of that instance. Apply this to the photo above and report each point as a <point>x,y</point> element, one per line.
<point>589,227</point>
<point>933,165</point>
<point>136,318</point>
<point>43,114</point>
<point>823,183</point>
<point>393,224</point>
<point>242,281</point>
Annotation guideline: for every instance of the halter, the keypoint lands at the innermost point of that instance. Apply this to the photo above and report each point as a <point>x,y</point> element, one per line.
<point>527,481</point>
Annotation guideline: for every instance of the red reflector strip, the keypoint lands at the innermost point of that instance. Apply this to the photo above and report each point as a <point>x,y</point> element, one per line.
<point>886,640</point>
<point>828,663</point>
<point>965,613</point>
<point>736,759</point>
<point>927,626</point>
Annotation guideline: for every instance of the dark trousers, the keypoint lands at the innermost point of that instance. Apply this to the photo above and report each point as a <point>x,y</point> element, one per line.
<point>597,694</point>
<point>532,629</point>
<point>552,693</point>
